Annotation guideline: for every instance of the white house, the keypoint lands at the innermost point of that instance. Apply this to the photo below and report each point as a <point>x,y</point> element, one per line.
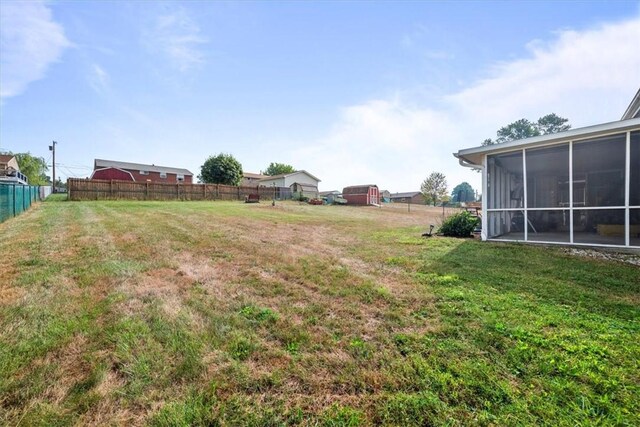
<point>294,180</point>
<point>10,170</point>
<point>579,187</point>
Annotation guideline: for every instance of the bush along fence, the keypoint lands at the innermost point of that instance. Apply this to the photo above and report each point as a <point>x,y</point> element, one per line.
<point>97,189</point>
<point>17,198</point>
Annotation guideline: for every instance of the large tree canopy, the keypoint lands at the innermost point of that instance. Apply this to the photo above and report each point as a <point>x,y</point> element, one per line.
<point>221,169</point>
<point>434,188</point>
<point>279,168</point>
<point>463,192</point>
<point>523,128</point>
<point>34,168</point>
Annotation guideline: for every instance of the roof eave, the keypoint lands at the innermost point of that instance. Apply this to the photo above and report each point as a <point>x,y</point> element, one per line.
<point>633,110</point>
<point>473,156</point>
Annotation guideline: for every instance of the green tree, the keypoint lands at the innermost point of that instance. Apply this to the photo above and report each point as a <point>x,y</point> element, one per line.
<point>278,168</point>
<point>552,123</point>
<point>34,168</point>
<point>60,184</point>
<point>221,169</point>
<point>463,192</point>
<point>523,128</point>
<point>434,188</point>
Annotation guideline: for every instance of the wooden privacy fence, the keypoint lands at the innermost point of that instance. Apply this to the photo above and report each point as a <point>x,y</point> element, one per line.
<point>98,189</point>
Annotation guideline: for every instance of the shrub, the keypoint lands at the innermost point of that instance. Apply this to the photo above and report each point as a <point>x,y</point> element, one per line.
<point>459,225</point>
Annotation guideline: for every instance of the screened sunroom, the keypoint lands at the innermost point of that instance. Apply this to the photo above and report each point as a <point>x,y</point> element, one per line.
<point>578,187</point>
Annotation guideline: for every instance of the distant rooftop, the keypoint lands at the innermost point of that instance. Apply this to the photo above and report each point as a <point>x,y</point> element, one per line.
<point>402,195</point>
<point>101,163</point>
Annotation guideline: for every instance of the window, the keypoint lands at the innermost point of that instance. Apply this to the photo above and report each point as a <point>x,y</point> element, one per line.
<point>180,177</point>
<point>163,175</point>
<point>144,172</point>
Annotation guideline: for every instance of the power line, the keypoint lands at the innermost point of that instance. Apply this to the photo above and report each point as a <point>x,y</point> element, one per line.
<point>74,167</point>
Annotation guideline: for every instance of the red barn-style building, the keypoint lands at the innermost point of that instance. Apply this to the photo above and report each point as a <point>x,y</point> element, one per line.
<point>110,169</point>
<point>362,195</point>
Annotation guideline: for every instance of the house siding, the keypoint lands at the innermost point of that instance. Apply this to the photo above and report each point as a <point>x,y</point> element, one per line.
<point>300,178</point>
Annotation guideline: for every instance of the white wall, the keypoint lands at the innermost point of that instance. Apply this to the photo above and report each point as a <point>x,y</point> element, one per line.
<point>301,178</point>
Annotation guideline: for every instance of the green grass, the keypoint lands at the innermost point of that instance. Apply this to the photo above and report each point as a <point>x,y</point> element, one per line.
<point>202,313</point>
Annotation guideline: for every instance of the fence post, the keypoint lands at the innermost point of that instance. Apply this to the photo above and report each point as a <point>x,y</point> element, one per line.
<point>14,200</point>
<point>217,191</point>
<point>238,192</point>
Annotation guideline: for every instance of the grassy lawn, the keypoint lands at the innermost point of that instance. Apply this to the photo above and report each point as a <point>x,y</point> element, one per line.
<point>221,313</point>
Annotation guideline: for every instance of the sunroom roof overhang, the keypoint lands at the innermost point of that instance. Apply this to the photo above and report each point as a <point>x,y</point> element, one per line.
<point>472,157</point>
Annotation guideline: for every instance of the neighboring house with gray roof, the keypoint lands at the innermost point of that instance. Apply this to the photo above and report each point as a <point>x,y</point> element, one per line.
<point>414,197</point>
<point>249,178</point>
<point>111,169</point>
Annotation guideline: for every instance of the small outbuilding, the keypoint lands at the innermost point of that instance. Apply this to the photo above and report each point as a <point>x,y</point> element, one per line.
<point>300,191</point>
<point>413,197</point>
<point>363,195</point>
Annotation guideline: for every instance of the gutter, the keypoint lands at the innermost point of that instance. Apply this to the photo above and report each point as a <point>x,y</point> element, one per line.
<point>466,162</point>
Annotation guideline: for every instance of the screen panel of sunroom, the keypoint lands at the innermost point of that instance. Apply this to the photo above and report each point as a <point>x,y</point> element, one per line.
<point>634,171</point>
<point>599,171</point>
<point>504,181</point>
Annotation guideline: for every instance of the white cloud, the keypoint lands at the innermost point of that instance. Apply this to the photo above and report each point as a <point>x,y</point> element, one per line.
<point>177,36</point>
<point>30,41</point>
<point>587,76</point>
<point>98,79</point>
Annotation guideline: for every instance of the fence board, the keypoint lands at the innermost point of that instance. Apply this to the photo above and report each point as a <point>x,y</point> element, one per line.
<point>98,189</point>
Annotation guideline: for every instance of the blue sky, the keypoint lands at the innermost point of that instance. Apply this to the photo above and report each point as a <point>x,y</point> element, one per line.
<point>353,92</point>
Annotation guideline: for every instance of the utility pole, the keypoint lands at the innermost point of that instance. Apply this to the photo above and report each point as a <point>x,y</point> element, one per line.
<point>53,149</point>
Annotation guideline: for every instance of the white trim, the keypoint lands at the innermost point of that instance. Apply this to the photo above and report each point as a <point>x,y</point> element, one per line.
<point>571,192</point>
<point>627,187</point>
<point>579,208</point>
<point>525,203</point>
<point>562,243</point>
<point>634,107</point>
<point>567,209</point>
<point>575,135</point>
<point>485,221</point>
